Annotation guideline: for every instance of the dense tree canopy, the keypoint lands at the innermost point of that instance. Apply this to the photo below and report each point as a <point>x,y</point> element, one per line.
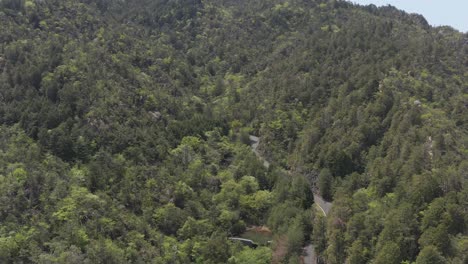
<point>124,132</point>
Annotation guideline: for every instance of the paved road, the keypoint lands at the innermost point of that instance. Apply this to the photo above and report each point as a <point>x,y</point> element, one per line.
<point>324,205</point>
<point>255,141</point>
<point>309,253</point>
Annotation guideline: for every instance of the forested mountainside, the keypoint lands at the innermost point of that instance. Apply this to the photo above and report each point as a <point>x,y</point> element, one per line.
<point>125,125</point>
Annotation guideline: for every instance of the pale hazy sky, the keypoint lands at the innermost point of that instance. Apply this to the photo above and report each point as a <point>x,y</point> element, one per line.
<point>437,12</point>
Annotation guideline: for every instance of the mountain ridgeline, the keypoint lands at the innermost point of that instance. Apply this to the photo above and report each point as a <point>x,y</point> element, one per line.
<point>125,124</point>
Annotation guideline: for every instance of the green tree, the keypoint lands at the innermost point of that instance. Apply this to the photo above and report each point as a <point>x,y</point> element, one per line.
<point>431,255</point>
<point>325,183</point>
<point>169,218</point>
<point>319,234</point>
<point>295,235</point>
<point>436,236</point>
<point>357,253</point>
<point>389,254</point>
<point>261,255</point>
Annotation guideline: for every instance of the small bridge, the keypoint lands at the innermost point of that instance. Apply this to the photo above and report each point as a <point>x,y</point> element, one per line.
<point>245,242</point>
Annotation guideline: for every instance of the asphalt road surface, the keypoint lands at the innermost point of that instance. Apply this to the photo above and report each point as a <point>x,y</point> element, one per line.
<point>309,253</point>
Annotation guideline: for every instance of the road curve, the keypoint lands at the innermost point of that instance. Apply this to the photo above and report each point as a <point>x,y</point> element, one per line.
<point>322,204</point>
<point>309,253</point>
<point>254,142</point>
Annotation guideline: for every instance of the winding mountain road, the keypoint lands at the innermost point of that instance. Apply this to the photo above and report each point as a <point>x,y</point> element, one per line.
<point>322,204</point>
<point>309,253</point>
<point>255,141</point>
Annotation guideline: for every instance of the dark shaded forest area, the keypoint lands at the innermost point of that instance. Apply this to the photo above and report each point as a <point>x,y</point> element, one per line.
<point>124,132</point>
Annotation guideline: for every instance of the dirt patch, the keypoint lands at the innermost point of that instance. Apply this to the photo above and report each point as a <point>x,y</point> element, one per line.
<point>280,249</point>
<point>259,229</point>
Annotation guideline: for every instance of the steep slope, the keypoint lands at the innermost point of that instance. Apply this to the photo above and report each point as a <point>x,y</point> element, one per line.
<point>138,115</point>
